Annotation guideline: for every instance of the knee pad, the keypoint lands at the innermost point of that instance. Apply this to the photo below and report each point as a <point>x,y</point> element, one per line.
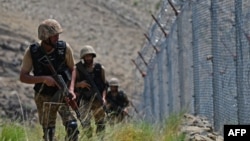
<point>72,130</point>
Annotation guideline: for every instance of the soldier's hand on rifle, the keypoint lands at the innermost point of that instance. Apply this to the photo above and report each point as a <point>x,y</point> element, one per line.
<point>83,84</point>
<point>125,110</point>
<point>104,101</point>
<point>72,94</point>
<point>49,81</point>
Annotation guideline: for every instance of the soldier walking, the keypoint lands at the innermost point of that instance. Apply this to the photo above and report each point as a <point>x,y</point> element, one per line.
<point>117,102</point>
<point>36,58</point>
<point>91,88</point>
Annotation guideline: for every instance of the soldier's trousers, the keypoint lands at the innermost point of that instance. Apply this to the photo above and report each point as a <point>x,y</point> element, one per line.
<point>92,109</point>
<point>47,111</point>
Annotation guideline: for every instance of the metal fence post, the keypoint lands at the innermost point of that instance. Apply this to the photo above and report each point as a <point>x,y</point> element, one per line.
<point>239,61</point>
<point>196,72</point>
<point>215,61</point>
<point>181,61</point>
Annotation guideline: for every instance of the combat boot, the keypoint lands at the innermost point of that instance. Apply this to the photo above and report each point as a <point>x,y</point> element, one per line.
<point>49,134</point>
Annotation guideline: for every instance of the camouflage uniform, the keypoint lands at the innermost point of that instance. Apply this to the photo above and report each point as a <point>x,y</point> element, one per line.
<point>90,105</point>
<point>47,111</point>
<point>92,109</point>
<point>117,102</point>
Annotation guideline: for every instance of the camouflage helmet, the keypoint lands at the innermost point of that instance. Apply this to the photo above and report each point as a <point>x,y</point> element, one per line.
<point>114,82</point>
<point>48,28</point>
<point>87,50</point>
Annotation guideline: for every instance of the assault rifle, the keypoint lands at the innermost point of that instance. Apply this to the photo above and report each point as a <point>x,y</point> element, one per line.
<point>92,83</point>
<point>63,93</point>
<point>131,103</point>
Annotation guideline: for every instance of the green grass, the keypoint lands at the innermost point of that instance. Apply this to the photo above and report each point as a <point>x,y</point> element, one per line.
<point>12,132</point>
<point>170,131</point>
<point>141,131</point>
<point>130,131</point>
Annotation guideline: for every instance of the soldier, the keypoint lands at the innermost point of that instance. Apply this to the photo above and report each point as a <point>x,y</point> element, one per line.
<point>61,57</point>
<point>91,88</point>
<point>116,101</point>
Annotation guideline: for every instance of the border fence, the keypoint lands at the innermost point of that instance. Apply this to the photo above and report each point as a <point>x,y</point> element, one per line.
<point>196,57</point>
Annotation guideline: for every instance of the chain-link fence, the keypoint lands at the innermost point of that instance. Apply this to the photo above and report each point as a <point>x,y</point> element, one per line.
<point>197,59</point>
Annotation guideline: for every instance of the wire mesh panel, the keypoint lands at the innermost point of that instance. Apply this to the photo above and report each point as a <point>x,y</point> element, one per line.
<point>185,58</point>
<point>246,48</point>
<point>202,55</point>
<point>242,62</point>
<point>224,84</point>
<point>197,59</point>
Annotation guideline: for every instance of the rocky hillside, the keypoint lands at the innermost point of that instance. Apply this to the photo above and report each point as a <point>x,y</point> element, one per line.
<point>198,128</point>
<point>114,27</point>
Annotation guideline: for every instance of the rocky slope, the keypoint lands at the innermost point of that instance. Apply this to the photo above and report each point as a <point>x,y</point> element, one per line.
<point>198,128</point>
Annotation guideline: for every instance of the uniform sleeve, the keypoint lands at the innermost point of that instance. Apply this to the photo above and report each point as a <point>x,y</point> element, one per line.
<point>125,98</point>
<point>27,61</point>
<point>69,57</point>
<point>103,75</point>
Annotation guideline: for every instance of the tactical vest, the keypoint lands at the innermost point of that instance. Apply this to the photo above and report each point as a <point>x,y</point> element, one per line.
<point>96,76</point>
<point>118,101</point>
<point>40,65</point>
